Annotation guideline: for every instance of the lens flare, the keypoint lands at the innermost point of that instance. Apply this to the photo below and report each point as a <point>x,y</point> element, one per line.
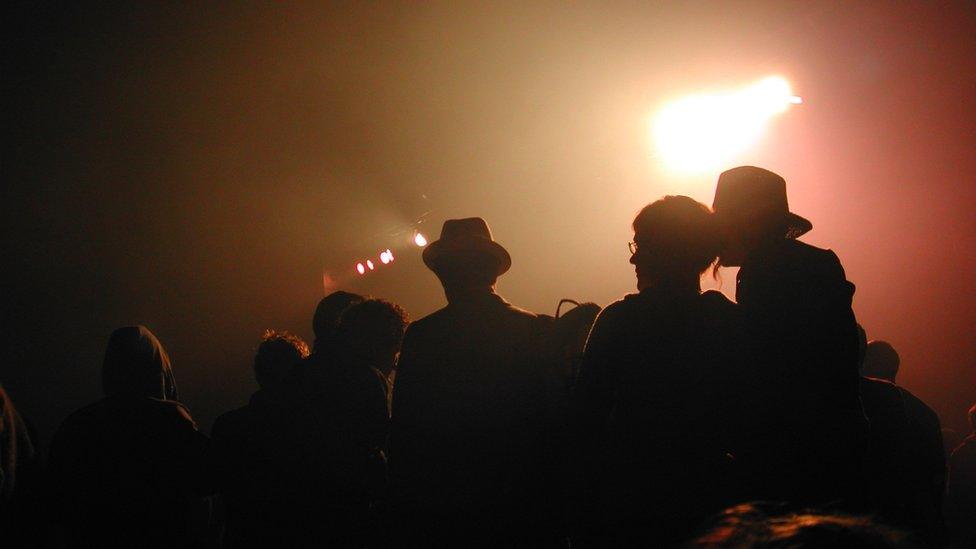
<point>420,240</point>
<point>703,132</point>
<point>369,264</point>
<point>386,256</point>
<point>360,268</point>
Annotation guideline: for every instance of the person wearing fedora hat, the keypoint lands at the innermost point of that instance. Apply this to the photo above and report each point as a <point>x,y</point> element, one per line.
<point>796,305</point>
<point>468,413</point>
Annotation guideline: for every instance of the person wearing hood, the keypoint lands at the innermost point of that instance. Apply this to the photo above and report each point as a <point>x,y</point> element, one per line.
<point>128,470</point>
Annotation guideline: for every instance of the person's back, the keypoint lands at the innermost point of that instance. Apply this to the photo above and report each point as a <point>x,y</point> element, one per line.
<point>261,457</point>
<point>468,407</point>
<point>653,403</point>
<point>127,469</point>
<point>905,469</point>
<point>796,308</point>
<point>961,489</point>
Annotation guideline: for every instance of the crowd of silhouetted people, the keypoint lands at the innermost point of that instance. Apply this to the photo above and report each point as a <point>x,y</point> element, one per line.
<point>670,417</point>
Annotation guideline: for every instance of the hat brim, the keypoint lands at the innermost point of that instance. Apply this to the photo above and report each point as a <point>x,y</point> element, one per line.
<point>439,250</point>
<point>796,226</point>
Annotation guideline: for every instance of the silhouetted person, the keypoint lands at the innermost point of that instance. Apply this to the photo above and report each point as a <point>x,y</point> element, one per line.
<point>261,456</point>
<point>796,305</point>
<point>469,405</point>
<point>961,492</point>
<point>127,469</point>
<point>881,361</point>
<point>754,526</point>
<point>348,397</point>
<point>652,400</point>
<point>325,321</point>
<point>905,466</point>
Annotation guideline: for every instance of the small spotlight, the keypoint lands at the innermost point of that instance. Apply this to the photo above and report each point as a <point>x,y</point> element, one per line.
<point>386,257</point>
<point>420,240</point>
<point>360,268</point>
<point>369,264</point>
<point>389,255</point>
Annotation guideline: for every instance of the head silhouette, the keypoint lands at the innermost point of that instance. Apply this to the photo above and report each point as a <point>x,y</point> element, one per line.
<point>881,361</point>
<point>752,213</point>
<point>674,241</point>
<point>136,365</point>
<point>278,357</point>
<point>372,332</point>
<point>327,314</point>
<point>466,258</point>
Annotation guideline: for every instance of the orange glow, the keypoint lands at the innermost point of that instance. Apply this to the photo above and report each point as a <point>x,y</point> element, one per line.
<point>704,132</point>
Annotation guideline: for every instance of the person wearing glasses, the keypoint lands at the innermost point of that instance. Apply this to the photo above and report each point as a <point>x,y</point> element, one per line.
<point>652,401</point>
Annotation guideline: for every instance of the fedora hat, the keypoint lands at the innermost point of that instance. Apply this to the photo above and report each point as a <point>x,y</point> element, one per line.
<point>465,236</point>
<point>751,189</point>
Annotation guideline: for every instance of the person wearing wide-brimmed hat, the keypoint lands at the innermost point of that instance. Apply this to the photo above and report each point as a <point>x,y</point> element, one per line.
<point>796,303</point>
<point>465,416</point>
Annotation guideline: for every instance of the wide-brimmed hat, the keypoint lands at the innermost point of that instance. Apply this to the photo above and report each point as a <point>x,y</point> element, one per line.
<point>464,236</point>
<point>751,189</point>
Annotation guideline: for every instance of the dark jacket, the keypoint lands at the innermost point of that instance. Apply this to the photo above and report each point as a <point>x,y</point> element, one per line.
<point>127,470</point>
<point>809,428</point>
<point>653,410</point>
<point>263,460</point>
<point>469,412</point>
<point>796,303</point>
<point>961,493</point>
<point>906,461</point>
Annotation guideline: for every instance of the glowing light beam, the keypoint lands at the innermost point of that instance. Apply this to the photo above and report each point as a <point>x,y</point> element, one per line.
<point>703,132</point>
<point>420,240</point>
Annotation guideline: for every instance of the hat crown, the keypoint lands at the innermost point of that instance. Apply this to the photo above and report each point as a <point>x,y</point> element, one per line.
<point>750,188</point>
<point>468,227</point>
<point>465,236</point>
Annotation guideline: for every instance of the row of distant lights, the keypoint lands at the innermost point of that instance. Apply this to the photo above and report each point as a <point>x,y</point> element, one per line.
<point>386,256</point>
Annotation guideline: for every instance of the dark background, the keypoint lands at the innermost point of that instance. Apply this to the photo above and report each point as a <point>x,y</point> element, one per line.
<point>209,171</point>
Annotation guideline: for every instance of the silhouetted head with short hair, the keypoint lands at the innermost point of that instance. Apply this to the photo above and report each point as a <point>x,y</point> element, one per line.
<point>137,365</point>
<point>277,359</point>
<point>328,312</point>
<point>372,332</point>
<point>753,526</point>
<point>674,243</point>
<point>880,361</point>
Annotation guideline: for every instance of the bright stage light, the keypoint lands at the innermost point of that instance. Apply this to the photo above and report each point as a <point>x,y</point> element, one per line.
<point>369,264</point>
<point>360,268</point>
<point>386,257</point>
<point>420,240</point>
<point>708,131</point>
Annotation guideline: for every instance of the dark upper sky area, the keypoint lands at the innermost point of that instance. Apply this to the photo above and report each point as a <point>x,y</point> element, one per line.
<point>198,168</point>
